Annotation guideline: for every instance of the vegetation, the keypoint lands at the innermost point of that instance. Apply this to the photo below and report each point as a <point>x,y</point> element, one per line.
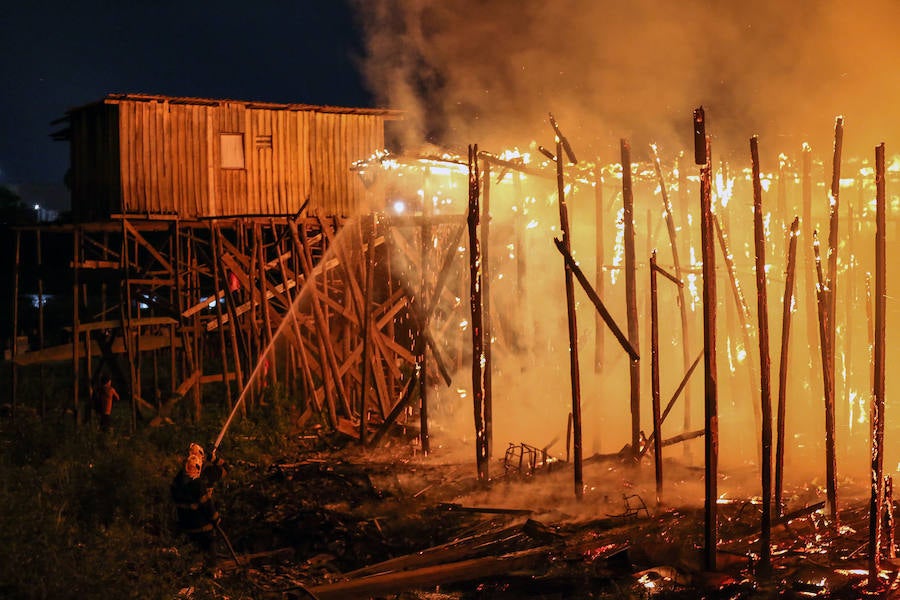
<point>85,514</point>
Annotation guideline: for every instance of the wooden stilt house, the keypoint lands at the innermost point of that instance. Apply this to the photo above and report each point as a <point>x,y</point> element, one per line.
<point>135,154</point>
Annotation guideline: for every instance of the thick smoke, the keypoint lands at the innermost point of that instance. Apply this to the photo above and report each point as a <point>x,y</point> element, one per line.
<point>489,73</point>
<point>469,71</point>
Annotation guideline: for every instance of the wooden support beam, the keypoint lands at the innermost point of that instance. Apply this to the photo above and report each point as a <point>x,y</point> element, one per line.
<point>762,312</point>
<point>634,369</point>
<point>482,462</point>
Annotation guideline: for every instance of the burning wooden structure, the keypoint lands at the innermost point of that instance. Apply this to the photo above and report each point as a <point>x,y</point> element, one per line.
<point>343,286</point>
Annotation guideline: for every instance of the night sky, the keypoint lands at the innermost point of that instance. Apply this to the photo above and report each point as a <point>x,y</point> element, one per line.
<point>56,55</point>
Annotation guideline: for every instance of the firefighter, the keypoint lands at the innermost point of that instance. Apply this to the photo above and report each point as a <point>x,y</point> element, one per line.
<point>192,492</point>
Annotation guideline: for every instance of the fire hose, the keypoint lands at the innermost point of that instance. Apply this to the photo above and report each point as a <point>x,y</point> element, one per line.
<point>228,543</point>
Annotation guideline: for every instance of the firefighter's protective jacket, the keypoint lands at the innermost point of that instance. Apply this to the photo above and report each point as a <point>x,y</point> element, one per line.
<point>193,498</point>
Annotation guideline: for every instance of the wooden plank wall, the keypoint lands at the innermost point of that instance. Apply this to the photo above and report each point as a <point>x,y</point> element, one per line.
<point>170,157</point>
<point>336,142</point>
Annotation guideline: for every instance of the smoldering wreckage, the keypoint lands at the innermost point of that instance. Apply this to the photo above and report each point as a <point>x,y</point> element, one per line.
<point>362,323</point>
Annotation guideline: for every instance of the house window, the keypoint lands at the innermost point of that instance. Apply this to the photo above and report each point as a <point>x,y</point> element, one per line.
<point>232,146</point>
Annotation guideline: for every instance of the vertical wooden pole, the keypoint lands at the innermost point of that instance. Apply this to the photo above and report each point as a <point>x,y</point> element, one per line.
<point>487,322</point>
<point>762,310</point>
<point>878,417</point>
<point>481,443</point>
<point>654,378</point>
<point>572,322</point>
<point>830,305</point>
<point>787,305</point>
<point>711,409</point>
<point>631,299</point>
<point>828,386</point>
<point>599,325</point>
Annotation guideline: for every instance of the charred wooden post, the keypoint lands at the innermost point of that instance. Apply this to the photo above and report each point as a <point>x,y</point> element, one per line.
<point>834,212</point>
<point>654,379</point>
<point>631,298</point>
<point>765,382</point>
<point>599,226</point>
<point>482,444</point>
<point>783,363</point>
<point>654,370</point>
<point>682,302</point>
<point>486,306</point>
<point>563,145</point>
<point>711,416</point>
<point>831,313</point>
<point>877,473</point>
<point>828,385</point>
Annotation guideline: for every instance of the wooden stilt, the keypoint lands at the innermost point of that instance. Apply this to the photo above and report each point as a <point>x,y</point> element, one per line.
<point>830,308</point>
<point>487,321</point>
<point>575,376</point>
<point>654,379</point>
<point>631,298</point>
<point>787,305</point>
<point>762,310</point>
<point>876,503</point>
<point>475,281</point>
<point>828,385</point>
<point>711,416</point>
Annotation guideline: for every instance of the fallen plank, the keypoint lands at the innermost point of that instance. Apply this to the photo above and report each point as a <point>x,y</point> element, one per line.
<point>465,570</point>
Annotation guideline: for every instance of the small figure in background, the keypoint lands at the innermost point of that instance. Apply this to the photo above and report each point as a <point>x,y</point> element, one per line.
<point>103,402</point>
<point>192,492</point>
